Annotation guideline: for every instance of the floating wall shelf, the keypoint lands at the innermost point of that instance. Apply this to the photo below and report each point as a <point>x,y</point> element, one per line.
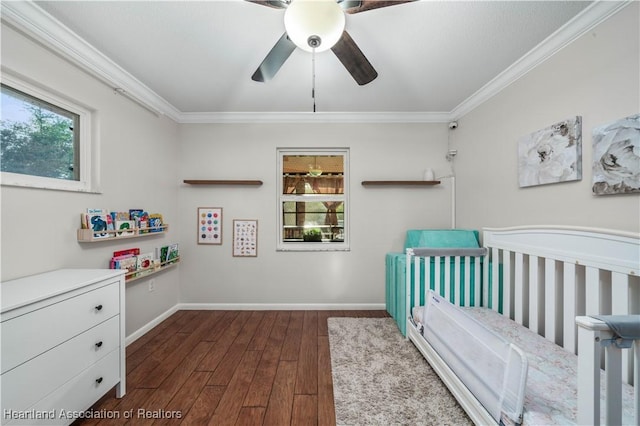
<point>88,235</point>
<point>400,182</point>
<point>222,182</point>
<point>136,275</point>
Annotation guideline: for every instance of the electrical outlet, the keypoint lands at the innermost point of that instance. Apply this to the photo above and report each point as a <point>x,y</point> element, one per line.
<point>152,285</point>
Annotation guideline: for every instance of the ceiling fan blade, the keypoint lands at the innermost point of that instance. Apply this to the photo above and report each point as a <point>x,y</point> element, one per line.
<point>354,60</point>
<point>357,6</point>
<point>274,59</point>
<point>277,4</point>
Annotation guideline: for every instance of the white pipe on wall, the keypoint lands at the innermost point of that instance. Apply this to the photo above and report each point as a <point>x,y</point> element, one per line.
<point>453,198</point>
<point>453,202</point>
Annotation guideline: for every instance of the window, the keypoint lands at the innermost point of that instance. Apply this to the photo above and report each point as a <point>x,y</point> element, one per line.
<point>313,199</point>
<point>45,140</point>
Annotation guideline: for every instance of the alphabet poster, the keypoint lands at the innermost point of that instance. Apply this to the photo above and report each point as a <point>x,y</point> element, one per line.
<point>245,238</point>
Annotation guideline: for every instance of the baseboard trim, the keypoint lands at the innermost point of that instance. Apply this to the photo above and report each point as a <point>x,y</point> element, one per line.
<point>148,326</point>
<point>281,306</point>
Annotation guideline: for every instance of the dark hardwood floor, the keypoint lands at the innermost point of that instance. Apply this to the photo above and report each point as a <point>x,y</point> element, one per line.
<point>229,368</point>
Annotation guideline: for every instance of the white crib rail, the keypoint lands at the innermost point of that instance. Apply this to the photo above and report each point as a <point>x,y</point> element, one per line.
<point>449,283</point>
<point>550,275</point>
<point>594,334</point>
<point>545,277</point>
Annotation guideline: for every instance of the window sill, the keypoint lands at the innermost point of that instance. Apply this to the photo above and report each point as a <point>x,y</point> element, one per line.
<point>36,182</point>
<point>315,246</point>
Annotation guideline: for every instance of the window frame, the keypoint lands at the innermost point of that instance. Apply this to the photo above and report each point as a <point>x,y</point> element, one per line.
<point>86,182</point>
<point>281,244</point>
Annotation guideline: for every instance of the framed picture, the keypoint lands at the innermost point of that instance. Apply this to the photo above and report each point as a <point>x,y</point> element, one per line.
<point>616,157</point>
<point>210,225</point>
<point>552,154</point>
<point>245,238</point>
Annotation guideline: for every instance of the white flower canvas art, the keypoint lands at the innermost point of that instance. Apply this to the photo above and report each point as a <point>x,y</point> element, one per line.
<point>552,154</point>
<point>616,157</point>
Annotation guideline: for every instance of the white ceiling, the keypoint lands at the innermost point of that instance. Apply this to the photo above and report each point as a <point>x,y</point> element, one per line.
<point>196,58</point>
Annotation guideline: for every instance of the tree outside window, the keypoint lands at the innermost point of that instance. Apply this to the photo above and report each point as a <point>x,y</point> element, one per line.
<point>37,138</point>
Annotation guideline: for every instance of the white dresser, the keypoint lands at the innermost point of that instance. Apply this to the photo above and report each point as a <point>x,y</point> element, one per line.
<point>62,344</point>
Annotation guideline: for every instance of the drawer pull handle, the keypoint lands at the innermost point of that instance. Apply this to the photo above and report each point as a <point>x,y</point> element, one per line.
<point>99,308</point>
<point>99,380</point>
<point>98,344</point>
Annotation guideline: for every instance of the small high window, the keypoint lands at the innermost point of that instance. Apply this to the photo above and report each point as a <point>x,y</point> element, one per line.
<point>313,199</point>
<point>45,140</point>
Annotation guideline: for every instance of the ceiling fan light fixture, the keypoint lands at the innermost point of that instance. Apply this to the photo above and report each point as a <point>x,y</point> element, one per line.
<point>315,24</point>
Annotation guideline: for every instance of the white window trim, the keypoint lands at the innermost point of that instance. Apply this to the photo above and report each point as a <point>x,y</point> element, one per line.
<point>88,180</point>
<point>281,245</point>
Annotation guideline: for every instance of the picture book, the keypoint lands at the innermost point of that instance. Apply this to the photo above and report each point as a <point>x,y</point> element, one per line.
<point>155,222</point>
<point>145,261</point>
<point>110,225</point>
<point>126,226</point>
<point>98,222</point>
<point>115,260</point>
<point>172,253</point>
<point>135,214</point>
<point>130,263</point>
<point>131,251</point>
<point>91,211</point>
<point>140,218</point>
<point>143,225</point>
<point>120,216</point>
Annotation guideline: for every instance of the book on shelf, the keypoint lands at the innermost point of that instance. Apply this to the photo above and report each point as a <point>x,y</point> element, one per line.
<point>167,254</point>
<point>125,227</point>
<point>107,224</point>
<point>144,261</point>
<point>132,251</point>
<point>96,220</point>
<point>161,253</point>
<point>141,220</point>
<point>155,222</point>
<point>139,264</point>
<point>110,224</point>
<point>128,262</point>
<point>172,253</point>
<point>120,216</point>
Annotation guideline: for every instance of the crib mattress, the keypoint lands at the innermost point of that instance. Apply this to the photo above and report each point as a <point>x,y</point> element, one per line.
<point>551,394</point>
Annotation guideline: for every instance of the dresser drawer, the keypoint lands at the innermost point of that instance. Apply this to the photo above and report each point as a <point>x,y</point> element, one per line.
<point>78,394</point>
<point>35,332</point>
<point>27,384</point>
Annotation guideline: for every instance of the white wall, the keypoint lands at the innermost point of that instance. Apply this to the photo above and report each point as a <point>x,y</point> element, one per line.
<point>596,77</point>
<point>379,216</point>
<point>144,158</point>
<point>138,169</point>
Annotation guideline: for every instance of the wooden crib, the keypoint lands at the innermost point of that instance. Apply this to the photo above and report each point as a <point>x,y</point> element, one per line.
<point>549,280</point>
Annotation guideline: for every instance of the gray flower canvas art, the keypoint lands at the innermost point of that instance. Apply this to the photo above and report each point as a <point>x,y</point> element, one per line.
<point>552,154</point>
<point>616,157</point>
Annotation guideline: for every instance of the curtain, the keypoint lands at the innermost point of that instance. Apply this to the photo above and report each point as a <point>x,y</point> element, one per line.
<point>329,185</point>
<point>319,185</point>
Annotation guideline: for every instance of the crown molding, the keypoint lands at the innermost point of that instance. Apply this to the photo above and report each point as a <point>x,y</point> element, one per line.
<point>586,20</point>
<point>33,21</point>
<point>314,117</point>
<point>28,18</point>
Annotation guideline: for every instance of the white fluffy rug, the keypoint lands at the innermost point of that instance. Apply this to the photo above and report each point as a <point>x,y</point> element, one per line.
<point>379,378</point>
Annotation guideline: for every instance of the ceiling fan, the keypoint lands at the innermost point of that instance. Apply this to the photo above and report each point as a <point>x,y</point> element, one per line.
<point>317,25</point>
